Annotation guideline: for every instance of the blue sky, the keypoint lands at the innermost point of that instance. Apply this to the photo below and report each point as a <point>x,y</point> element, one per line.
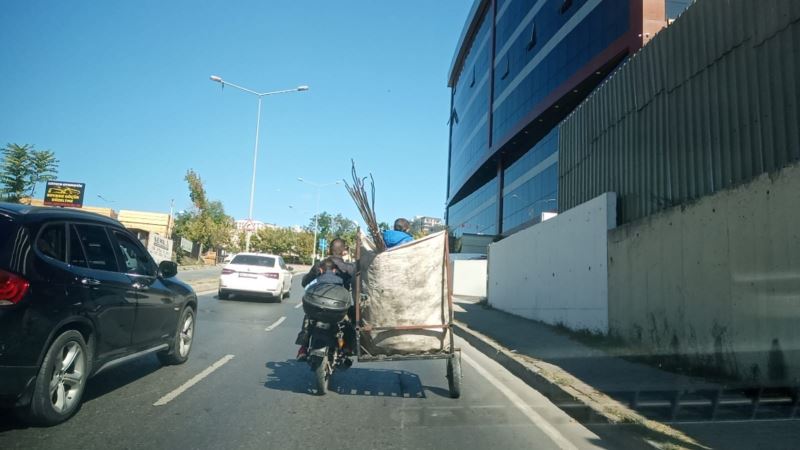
<point>121,92</point>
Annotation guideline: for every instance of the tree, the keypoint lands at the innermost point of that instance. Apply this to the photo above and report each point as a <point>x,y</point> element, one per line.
<point>197,192</point>
<point>44,168</point>
<point>207,223</point>
<point>332,227</point>
<point>22,168</point>
<point>291,245</point>
<point>323,222</point>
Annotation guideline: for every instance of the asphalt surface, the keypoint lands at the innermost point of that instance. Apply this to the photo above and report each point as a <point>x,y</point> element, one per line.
<point>260,397</point>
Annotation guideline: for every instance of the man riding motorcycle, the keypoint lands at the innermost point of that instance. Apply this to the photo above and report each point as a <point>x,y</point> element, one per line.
<point>332,270</point>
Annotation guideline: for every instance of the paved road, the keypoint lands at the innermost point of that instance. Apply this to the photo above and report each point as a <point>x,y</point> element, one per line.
<point>260,398</point>
<point>192,275</point>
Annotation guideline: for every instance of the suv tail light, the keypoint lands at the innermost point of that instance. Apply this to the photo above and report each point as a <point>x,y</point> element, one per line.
<point>228,271</point>
<point>12,288</point>
<point>271,275</point>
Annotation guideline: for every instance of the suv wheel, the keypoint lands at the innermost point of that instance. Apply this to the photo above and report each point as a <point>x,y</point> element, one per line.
<point>61,380</point>
<point>182,342</point>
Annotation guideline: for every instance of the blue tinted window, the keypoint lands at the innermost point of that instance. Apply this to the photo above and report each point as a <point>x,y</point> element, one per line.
<point>598,29</point>
<point>532,184</point>
<point>476,213</point>
<point>469,124</point>
<point>676,7</point>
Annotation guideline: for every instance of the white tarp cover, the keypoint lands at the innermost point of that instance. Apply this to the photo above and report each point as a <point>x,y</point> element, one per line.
<point>405,285</point>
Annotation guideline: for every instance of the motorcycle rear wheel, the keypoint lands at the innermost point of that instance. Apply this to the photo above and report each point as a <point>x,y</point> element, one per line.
<point>322,377</point>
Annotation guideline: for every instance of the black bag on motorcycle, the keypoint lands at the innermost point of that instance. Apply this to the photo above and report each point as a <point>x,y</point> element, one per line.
<point>327,302</point>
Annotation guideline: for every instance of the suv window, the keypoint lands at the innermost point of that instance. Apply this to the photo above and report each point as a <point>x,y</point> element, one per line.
<point>77,257</point>
<point>281,263</point>
<point>52,241</point>
<point>134,258</point>
<point>99,251</point>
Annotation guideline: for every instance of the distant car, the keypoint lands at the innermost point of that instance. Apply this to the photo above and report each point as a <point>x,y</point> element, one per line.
<point>80,294</point>
<point>255,274</point>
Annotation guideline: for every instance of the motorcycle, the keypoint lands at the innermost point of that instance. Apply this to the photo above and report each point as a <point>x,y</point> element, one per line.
<point>331,333</point>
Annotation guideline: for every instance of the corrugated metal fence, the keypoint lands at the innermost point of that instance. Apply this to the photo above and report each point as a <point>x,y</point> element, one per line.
<point>711,102</point>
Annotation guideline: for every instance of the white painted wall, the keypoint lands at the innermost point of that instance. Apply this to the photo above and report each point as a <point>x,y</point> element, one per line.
<point>556,271</point>
<point>469,278</point>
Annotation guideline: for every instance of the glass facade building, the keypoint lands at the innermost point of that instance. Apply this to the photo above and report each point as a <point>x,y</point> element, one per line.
<point>520,67</point>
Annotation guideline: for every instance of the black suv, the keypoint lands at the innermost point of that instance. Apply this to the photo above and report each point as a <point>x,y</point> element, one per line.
<point>80,294</point>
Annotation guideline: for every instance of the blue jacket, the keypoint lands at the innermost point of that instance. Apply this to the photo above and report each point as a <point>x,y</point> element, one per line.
<point>394,238</point>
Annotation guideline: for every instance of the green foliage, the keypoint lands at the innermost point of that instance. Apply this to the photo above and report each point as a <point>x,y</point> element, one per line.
<point>331,227</point>
<point>44,168</point>
<point>207,223</point>
<point>22,168</point>
<point>197,192</point>
<point>295,247</point>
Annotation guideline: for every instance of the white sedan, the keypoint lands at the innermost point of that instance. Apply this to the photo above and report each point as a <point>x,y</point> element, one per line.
<point>255,274</point>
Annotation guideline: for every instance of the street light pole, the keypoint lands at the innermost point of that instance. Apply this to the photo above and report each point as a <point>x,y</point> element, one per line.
<point>317,186</point>
<point>260,95</point>
<point>249,230</point>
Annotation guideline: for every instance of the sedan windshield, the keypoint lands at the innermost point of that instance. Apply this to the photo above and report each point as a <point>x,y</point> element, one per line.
<point>254,260</point>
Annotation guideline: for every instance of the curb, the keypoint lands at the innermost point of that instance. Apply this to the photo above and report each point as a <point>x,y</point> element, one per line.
<point>195,267</point>
<point>204,284</point>
<point>573,396</point>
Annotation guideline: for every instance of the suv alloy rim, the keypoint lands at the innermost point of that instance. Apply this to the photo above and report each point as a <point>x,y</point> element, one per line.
<point>187,331</point>
<point>67,379</point>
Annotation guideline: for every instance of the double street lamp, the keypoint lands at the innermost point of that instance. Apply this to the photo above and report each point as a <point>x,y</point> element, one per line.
<point>317,186</point>
<point>260,95</point>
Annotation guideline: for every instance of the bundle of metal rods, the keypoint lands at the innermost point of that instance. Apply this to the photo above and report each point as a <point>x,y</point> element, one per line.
<point>366,205</point>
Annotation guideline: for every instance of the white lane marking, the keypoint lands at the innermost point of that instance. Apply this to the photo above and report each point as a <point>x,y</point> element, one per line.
<point>275,325</point>
<point>532,415</point>
<point>196,379</point>
<point>298,305</point>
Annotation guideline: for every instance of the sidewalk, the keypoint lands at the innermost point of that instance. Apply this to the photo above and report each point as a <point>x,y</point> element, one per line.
<point>596,387</point>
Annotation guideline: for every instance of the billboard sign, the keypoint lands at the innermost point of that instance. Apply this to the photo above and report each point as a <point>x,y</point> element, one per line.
<point>160,248</point>
<point>186,245</point>
<point>64,193</point>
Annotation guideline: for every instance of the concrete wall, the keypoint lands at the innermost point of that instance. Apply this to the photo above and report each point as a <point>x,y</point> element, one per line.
<point>147,221</point>
<point>716,282</point>
<point>469,278</point>
<point>556,271</point>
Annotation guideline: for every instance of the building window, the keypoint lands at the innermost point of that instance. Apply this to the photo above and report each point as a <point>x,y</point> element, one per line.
<point>507,69</point>
<point>565,5</point>
<point>532,42</point>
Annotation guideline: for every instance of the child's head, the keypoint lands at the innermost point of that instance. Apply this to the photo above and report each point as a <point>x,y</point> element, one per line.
<point>327,265</point>
<point>401,225</point>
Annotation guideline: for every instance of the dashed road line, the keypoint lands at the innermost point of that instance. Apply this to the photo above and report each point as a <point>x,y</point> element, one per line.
<point>298,305</point>
<point>196,379</point>
<point>275,325</point>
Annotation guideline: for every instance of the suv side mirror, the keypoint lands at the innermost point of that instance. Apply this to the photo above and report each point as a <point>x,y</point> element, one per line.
<point>290,268</point>
<point>168,269</point>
